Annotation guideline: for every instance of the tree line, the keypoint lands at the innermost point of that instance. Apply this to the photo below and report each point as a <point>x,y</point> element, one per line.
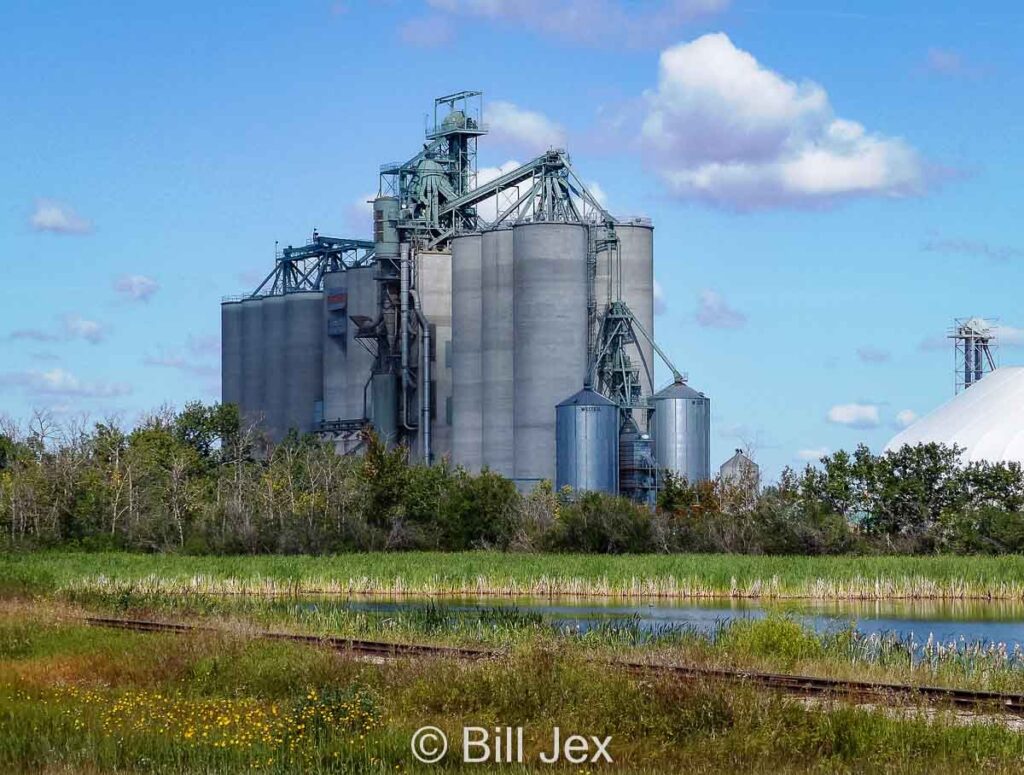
<point>198,480</point>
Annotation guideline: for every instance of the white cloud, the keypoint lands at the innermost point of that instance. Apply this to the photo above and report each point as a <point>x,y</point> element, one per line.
<point>521,129</point>
<point>945,61</point>
<point>971,247</point>
<point>198,357</point>
<point>358,216</point>
<point>180,363</point>
<point>873,355</point>
<point>905,418</point>
<point>431,31</point>
<point>203,345</point>
<point>136,287</point>
<point>58,382</point>
<point>72,326</point>
<point>1008,336</point>
<point>713,311</point>
<point>660,305</point>
<point>489,208</point>
<point>855,415</point>
<point>598,193</point>
<point>34,335</point>
<point>57,218</point>
<point>813,455</point>
<point>77,327</point>
<point>590,22</point>
<point>724,129</point>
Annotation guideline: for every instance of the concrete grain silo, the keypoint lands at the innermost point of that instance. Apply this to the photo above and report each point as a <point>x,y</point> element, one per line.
<point>231,352</point>
<point>253,382</point>
<point>636,251</point>
<point>550,325</point>
<point>304,358</point>
<point>275,366</point>
<point>498,351</point>
<point>467,366</point>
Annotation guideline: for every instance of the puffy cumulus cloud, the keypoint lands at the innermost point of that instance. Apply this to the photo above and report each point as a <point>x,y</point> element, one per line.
<point>813,454</point>
<point>57,218</point>
<point>590,22</point>
<point>873,355</point>
<point>521,129</point>
<point>855,415</point>
<point>136,287</point>
<point>905,418</point>
<point>58,382</point>
<point>713,311</point>
<point>432,31</point>
<point>724,129</point>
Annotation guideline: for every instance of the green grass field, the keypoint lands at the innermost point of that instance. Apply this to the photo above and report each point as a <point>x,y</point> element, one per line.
<point>81,700</point>
<point>494,573</point>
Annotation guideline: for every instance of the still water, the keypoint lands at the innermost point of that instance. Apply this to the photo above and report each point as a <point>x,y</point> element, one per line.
<point>972,621</point>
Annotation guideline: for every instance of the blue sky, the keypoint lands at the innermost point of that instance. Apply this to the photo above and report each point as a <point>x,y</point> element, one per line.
<point>829,187</point>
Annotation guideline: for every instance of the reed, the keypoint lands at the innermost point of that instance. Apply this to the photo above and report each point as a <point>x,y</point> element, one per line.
<point>496,574</point>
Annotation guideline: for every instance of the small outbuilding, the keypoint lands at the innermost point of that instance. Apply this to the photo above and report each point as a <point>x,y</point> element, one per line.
<point>740,471</point>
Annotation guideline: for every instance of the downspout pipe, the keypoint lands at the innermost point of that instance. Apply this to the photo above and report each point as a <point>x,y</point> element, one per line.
<point>404,307</point>
<point>425,372</point>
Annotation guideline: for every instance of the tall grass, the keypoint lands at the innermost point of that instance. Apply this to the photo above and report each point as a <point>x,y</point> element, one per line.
<point>130,702</point>
<point>501,574</point>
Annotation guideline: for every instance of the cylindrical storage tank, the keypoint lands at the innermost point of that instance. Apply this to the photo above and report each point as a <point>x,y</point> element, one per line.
<point>587,443</point>
<point>362,303</point>
<point>385,226</point>
<point>253,392</point>
<point>497,345</point>
<point>467,367</point>
<point>275,365</point>
<point>636,251</point>
<point>681,431</point>
<point>231,353</point>
<point>334,329</point>
<point>635,453</point>
<point>385,407</point>
<point>304,360</point>
<point>549,310</point>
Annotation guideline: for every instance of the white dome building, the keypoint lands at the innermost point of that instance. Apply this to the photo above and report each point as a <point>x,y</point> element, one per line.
<point>986,420</point>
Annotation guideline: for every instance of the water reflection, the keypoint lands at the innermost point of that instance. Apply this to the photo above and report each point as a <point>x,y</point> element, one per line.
<point>970,620</point>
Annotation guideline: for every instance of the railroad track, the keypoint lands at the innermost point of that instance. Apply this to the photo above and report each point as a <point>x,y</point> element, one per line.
<point>807,686</point>
<point>353,645</point>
